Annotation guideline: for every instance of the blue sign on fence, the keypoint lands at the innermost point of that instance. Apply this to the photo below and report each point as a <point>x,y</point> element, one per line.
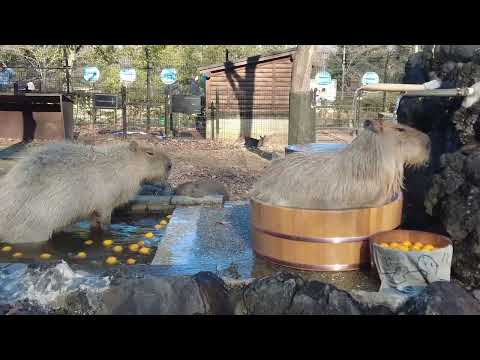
<point>91,74</point>
<point>370,77</point>
<point>128,75</point>
<point>168,76</point>
<point>6,77</point>
<point>323,78</point>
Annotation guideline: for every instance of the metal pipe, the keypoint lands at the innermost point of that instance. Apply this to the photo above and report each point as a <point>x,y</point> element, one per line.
<point>426,89</point>
<point>393,87</point>
<point>441,92</point>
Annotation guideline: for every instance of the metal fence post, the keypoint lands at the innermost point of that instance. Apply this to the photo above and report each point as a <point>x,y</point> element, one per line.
<point>67,72</point>
<point>124,111</point>
<point>217,117</point>
<point>167,115</point>
<point>149,87</point>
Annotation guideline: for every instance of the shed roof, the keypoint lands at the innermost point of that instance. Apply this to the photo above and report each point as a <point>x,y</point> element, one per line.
<point>248,60</point>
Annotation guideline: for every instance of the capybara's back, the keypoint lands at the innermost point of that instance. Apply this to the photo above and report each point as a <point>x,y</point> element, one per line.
<point>202,188</point>
<point>59,184</point>
<point>367,173</point>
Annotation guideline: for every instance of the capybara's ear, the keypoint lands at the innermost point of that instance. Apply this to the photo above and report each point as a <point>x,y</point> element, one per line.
<point>133,146</point>
<point>373,125</point>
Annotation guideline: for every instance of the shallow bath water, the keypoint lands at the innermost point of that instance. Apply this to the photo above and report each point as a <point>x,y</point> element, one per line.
<point>66,245</point>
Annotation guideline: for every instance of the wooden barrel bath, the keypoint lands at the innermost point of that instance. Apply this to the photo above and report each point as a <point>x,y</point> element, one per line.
<point>319,240</point>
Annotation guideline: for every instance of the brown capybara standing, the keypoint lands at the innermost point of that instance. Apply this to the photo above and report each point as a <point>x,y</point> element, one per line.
<point>59,184</point>
<point>202,188</point>
<point>367,173</point>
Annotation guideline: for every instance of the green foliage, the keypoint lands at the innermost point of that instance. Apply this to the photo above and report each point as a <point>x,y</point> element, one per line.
<point>187,58</point>
<point>363,58</point>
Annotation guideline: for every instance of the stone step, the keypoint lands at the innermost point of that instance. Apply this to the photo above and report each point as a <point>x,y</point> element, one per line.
<point>203,238</point>
<point>152,203</point>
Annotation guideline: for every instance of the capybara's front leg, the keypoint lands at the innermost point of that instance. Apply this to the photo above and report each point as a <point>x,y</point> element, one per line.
<point>100,220</point>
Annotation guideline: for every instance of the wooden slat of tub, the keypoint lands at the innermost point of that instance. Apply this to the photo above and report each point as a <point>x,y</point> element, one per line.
<point>309,254</point>
<point>326,224</point>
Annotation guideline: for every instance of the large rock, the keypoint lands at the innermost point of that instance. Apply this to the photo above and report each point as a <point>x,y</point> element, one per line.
<point>460,53</point>
<point>449,125</point>
<point>214,293</point>
<point>442,298</point>
<point>154,295</point>
<point>317,298</point>
<point>388,301</point>
<point>454,199</point>
<point>271,295</point>
<point>288,294</point>
<point>23,307</point>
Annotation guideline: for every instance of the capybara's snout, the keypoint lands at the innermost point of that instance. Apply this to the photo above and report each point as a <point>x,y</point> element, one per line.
<point>422,155</point>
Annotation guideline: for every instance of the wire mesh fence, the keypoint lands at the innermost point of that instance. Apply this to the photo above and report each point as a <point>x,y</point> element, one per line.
<point>266,112</point>
<point>230,115</point>
<point>142,109</point>
<point>238,113</point>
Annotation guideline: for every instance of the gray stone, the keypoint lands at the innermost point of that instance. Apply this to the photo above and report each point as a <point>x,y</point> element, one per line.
<point>156,189</point>
<point>271,295</point>
<point>473,168</point>
<point>142,204</point>
<point>210,200</point>
<point>154,296</point>
<point>4,308</point>
<point>476,294</point>
<point>388,298</point>
<point>25,307</point>
<point>454,199</point>
<point>214,293</point>
<point>204,294</point>
<point>288,294</point>
<point>317,298</point>
<point>442,298</point>
<point>76,303</point>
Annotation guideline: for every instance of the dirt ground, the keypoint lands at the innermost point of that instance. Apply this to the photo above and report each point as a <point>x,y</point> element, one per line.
<point>234,166</point>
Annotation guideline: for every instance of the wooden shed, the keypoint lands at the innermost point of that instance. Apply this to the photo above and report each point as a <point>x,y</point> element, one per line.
<point>249,97</point>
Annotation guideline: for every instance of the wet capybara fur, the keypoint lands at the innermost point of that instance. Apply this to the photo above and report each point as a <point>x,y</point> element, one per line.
<point>59,184</point>
<point>367,173</point>
<point>202,188</point>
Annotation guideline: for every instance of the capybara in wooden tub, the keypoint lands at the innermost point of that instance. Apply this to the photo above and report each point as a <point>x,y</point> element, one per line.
<point>367,173</point>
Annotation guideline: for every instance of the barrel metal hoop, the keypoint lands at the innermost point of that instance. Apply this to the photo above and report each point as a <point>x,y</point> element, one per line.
<point>329,240</point>
<point>309,267</point>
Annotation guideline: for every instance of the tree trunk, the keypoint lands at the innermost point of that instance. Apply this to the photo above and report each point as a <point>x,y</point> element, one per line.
<point>301,128</point>
<point>149,87</point>
<point>385,71</point>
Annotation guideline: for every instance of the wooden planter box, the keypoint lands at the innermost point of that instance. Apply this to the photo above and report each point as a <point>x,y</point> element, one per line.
<point>53,114</point>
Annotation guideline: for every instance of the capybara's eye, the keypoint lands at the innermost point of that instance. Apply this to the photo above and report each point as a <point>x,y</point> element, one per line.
<point>149,153</point>
<point>400,129</point>
<point>169,166</point>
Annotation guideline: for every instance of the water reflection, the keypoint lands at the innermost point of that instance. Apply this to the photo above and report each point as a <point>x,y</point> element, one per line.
<point>67,244</point>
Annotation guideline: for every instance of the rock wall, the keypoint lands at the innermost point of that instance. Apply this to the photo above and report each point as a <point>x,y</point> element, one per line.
<point>448,124</point>
<point>454,199</point>
<point>58,289</point>
<point>444,196</point>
